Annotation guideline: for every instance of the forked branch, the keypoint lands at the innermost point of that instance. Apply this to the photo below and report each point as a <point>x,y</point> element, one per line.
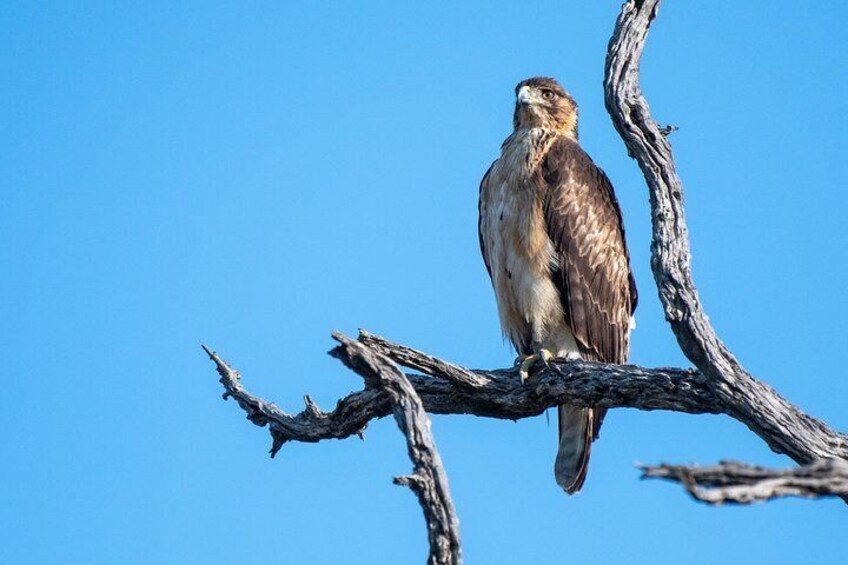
<point>502,395</point>
<point>498,394</point>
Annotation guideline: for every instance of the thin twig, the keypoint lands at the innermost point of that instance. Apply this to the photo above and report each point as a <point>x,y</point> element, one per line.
<point>419,361</point>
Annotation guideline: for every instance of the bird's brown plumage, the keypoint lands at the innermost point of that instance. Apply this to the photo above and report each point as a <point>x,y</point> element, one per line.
<point>592,271</point>
<point>552,238</point>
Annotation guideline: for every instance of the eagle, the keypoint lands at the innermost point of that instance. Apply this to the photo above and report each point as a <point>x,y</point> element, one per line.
<point>552,239</point>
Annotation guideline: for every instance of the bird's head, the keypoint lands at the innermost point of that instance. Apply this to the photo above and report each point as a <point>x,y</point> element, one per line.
<point>540,102</point>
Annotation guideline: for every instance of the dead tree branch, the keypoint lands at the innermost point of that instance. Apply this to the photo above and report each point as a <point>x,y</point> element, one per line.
<point>428,480</point>
<point>502,396</point>
<point>782,425</point>
<point>737,483</point>
<point>583,383</point>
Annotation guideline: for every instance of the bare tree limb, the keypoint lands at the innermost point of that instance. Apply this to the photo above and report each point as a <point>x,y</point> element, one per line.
<point>583,383</point>
<point>783,426</point>
<point>428,480</point>
<point>503,396</point>
<point>732,482</point>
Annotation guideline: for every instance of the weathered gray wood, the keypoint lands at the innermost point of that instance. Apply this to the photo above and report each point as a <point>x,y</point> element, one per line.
<point>783,426</point>
<point>738,483</point>
<point>503,395</point>
<point>428,479</point>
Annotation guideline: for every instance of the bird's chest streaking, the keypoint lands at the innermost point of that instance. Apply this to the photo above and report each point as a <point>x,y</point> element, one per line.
<point>519,252</point>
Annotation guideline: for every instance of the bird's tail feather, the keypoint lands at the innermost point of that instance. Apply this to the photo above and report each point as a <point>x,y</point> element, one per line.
<point>576,432</point>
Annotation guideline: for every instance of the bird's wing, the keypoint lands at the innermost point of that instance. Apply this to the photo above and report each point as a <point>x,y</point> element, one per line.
<point>480,218</point>
<point>591,267</point>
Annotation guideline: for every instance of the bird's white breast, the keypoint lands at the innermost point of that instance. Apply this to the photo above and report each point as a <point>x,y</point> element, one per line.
<point>520,253</point>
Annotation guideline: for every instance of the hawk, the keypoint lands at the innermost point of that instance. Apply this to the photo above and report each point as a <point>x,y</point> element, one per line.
<point>553,243</point>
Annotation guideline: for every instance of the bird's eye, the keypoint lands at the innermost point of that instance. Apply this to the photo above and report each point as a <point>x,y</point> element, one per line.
<point>548,94</point>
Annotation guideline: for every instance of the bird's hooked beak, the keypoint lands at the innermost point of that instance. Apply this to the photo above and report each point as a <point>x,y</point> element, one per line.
<point>524,96</point>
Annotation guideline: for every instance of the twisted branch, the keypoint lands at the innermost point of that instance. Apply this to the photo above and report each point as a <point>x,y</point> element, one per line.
<point>445,390</point>
<point>582,383</point>
<point>428,480</point>
<point>782,425</point>
<point>738,483</point>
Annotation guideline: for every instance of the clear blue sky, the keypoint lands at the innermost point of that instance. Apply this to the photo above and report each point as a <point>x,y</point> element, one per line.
<point>257,176</point>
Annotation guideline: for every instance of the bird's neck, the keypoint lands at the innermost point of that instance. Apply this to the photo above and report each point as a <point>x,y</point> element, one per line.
<point>567,131</point>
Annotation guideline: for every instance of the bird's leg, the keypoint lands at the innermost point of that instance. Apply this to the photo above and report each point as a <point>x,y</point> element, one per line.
<point>528,361</point>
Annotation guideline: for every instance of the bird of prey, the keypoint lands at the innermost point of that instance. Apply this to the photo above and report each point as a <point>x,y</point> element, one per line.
<point>553,243</point>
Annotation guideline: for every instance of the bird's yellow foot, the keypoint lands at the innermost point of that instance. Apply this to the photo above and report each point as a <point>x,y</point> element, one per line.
<point>527,363</point>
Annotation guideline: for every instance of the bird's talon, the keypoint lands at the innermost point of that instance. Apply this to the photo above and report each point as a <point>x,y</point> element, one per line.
<point>529,361</point>
<point>525,366</point>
